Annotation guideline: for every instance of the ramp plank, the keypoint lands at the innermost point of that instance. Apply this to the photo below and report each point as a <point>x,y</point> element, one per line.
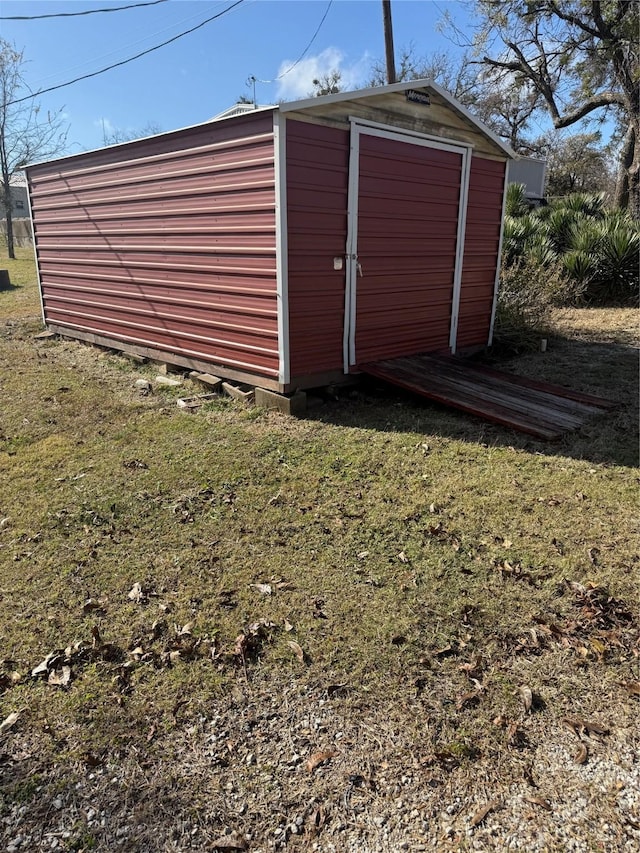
<point>539,408</point>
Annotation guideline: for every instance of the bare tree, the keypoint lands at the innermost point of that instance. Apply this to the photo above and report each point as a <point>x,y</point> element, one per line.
<point>507,108</point>
<point>327,84</point>
<point>577,163</point>
<point>25,133</point>
<point>116,135</point>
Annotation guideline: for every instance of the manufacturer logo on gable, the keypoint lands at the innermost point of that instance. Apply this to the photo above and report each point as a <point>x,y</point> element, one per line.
<point>418,97</point>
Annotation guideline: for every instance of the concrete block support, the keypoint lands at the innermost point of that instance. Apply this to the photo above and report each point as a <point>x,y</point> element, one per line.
<point>295,405</point>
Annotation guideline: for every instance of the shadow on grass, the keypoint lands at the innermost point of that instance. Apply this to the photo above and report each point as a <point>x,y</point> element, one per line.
<point>605,369</point>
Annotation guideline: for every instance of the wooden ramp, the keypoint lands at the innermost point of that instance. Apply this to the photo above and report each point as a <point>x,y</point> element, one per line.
<point>538,408</point>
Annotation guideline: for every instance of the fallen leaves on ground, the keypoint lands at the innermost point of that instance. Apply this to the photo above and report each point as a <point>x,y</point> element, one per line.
<point>9,721</point>
<point>230,842</point>
<point>526,697</point>
<point>317,758</point>
<point>581,755</point>
<point>539,801</point>
<point>579,726</point>
<point>481,814</point>
<point>296,649</point>
<point>262,588</point>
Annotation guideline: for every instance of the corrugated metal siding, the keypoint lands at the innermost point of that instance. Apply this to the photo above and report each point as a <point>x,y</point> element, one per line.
<point>317,183</point>
<point>407,234</point>
<point>482,239</point>
<point>166,243</point>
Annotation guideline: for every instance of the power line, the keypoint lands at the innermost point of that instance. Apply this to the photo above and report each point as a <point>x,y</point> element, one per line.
<point>77,14</point>
<point>313,38</point>
<point>304,52</point>
<point>79,67</point>
<point>126,61</point>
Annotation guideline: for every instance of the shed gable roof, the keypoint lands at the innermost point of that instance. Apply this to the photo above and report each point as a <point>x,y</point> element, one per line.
<point>427,86</point>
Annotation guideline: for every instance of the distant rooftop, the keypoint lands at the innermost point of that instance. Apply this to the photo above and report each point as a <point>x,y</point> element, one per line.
<point>239,109</point>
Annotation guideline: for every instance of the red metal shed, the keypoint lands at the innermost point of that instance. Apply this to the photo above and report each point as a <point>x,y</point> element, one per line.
<point>284,246</point>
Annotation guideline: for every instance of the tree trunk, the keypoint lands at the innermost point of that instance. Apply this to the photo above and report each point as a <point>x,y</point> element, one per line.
<point>627,186</point>
<point>10,241</point>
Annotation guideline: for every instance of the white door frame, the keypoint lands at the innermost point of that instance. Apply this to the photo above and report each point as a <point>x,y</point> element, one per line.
<point>359,127</point>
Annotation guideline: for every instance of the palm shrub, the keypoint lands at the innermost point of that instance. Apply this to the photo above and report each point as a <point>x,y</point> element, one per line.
<point>573,251</point>
<point>597,251</point>
<point>516,203</point>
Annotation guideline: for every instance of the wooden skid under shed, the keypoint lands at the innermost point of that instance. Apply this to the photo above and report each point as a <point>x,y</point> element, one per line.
<point>538,408</point>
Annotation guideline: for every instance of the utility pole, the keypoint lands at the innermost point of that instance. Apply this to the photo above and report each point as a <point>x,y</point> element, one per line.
<point>388,41</point>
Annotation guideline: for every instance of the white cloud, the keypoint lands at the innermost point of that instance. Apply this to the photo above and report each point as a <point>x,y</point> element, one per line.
<point>104,125</point>
<point>298,83</point>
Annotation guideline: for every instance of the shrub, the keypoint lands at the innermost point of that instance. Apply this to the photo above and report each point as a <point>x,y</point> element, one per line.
<point>528,291</point>
<point>595,250</point>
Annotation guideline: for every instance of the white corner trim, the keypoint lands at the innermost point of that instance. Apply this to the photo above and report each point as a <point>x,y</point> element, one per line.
<point>351,278</point>
<point>35,253</point>
<point>459,268</point>
<point>282,249</point>
<point>496,285</point>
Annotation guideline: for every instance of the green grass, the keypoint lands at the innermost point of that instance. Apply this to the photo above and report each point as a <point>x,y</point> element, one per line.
<point>388,530</point>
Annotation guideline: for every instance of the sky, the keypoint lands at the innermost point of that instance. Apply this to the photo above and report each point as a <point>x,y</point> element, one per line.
<point>203,73</point>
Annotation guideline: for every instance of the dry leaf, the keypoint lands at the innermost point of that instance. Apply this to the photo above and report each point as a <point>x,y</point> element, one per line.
<point>135,593</point>
<point>263,588</point>
<point>582,754</point>
<point>60,677</point>
<point>527,698</point>
<point>470,698</point>
<point>403,557</point>
<point>9,721</point>
<point>287,625</point>
<point>632,688</point>
<point>297,650</point>
<point>472,666</point>
<point>318,819</point>
<point>480,815</point>
<point>285,586</point>
<point>538,801</point>
<point>317,759</point>
<point>579,726</point>
<point>230,842</point>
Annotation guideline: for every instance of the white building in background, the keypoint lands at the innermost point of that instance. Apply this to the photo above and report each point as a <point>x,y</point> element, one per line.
<point>19,200</point>
<point>530,172</point>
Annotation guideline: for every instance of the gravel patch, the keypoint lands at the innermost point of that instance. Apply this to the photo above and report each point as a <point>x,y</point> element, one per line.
<point>241,775</point>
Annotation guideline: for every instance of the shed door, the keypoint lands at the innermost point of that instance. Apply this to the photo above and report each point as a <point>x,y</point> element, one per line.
<point>405,245</point>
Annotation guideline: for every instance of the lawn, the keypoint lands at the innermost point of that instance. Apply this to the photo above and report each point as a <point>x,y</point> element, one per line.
<point>386,626</point>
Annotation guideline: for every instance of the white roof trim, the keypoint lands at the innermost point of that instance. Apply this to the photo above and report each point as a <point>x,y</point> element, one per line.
<point>424,83</point>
